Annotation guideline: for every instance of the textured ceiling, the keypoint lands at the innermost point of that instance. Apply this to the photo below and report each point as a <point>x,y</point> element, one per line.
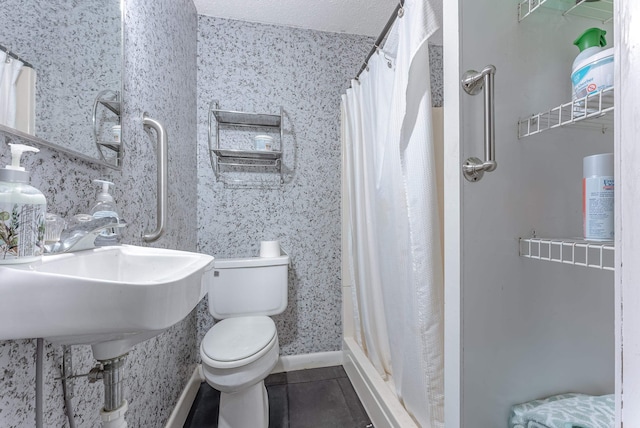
<point>365,17</point>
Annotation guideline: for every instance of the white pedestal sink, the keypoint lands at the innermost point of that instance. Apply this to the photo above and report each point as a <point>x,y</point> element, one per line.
<point>111,297</point>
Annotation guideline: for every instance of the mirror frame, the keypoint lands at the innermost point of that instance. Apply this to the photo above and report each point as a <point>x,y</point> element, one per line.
<point>71,152</point>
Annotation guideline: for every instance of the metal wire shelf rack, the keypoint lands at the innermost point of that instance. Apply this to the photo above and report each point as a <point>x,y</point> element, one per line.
<point>233,160</point>
<point>601,10</point>
<point>577,252</point>
<point>594,111</point>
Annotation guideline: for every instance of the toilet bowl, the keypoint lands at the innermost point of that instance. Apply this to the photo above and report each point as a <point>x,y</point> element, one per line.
<point>240,351</point>
<point>237,355</point>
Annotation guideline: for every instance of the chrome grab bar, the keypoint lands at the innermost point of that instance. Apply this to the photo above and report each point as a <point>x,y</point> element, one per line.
<point>163,172</point>
<point>473,82</point>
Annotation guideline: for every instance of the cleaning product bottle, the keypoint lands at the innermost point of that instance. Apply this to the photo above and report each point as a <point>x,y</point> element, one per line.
<point>105,206</point>
<point>22,211</point>
<point>592,69</point>
<point>598,197</point>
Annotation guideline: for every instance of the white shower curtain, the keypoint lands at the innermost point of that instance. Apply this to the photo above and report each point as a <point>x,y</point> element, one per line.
<point>9,72</point>
<point>392,215</point>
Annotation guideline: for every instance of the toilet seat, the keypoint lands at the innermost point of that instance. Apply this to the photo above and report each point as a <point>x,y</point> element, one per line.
<point>234,342</point>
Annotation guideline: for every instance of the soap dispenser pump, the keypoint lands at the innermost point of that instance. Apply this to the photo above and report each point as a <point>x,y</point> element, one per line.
<point>22,212</point>
<point>105,206</point>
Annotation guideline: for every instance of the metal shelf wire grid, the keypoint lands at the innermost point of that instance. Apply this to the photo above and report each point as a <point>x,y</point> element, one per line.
<point>601,10</point>
<point>598,255</point>
<point>595,110</point>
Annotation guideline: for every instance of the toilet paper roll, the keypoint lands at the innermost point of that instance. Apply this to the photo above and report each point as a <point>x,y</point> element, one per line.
<point>270,249</point>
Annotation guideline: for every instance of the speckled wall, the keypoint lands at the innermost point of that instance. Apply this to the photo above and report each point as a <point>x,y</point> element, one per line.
<point>69,74</point>
<point>245,66</point>
<point>258,68</point>
<point>159,78</point>
<point>437,78</point>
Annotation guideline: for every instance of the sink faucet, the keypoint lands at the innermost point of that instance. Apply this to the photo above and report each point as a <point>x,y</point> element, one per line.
<point>81,235</point>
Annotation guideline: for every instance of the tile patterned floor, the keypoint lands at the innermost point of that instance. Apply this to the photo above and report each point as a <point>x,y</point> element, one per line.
<point>315,398</point>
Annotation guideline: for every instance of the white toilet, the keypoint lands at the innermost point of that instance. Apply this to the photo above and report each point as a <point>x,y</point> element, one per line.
<point>240,351</point>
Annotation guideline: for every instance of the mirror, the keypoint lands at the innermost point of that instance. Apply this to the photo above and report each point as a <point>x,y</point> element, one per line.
<point>75,48</point>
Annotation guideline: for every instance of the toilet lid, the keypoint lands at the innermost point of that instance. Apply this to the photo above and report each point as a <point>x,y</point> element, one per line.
<point>234,339</point>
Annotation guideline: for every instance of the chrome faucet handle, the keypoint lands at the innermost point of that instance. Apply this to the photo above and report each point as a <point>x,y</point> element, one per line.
<point>81,233</point>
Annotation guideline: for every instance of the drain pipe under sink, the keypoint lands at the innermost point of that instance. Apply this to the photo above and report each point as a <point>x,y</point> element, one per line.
<point>115,406</point>
<point>109,371</point>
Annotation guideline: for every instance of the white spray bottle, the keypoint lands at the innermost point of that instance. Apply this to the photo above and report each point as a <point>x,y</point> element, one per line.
<point>22,211</point>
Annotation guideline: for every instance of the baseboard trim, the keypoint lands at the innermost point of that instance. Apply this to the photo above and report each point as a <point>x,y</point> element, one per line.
<point>380,402</point>
<point>289,363</point>
<point>183,406</point>
<point>285,363</point>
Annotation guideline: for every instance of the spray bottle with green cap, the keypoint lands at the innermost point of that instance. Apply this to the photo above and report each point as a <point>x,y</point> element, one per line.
<point>105,206</point>
<point>22,211</point>
<point>593,67</point>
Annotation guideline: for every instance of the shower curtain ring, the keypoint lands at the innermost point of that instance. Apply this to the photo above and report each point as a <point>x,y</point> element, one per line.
<point>389,63</point>
<point>401,11</point>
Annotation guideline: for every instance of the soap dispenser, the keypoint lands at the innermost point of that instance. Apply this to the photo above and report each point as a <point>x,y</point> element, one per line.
<point>105,206</point>
<point>22,212</point>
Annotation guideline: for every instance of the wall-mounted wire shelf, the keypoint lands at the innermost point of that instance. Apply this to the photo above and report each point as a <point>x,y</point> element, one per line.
<point>577,252</point>
<point>111,152</point>
<point>113,106</point>
<point>601,10</point>
<point>110,145</point>
<point>264,155</point>
<point>226,161</point>
<point>240,118</point>
<point>594,111</point>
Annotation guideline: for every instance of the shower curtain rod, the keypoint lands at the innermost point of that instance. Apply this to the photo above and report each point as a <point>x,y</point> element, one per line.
<point>397,13</point>
<point>15,56</point>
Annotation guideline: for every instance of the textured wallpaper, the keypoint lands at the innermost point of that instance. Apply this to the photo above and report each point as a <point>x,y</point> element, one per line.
<point>159,78</point>
<point>258,68</point>
<point>437,77</point>
<point>75,48</point>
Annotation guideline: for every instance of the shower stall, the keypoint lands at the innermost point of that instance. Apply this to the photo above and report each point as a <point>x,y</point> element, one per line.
<point>392,236</point>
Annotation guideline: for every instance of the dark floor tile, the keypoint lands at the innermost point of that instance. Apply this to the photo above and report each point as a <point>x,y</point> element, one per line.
<point>316,398</point>
<point>276,379</point>
<point>318,404</point>
<point>278,406</point>
<point>312,375</point>
<point>204,410</point>
<point>358,414</point>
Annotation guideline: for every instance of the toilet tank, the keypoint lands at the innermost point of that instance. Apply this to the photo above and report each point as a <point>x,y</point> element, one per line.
<point>249,286</point>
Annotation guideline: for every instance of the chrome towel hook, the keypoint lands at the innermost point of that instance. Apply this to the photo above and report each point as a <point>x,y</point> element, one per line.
<point>473,82</point>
